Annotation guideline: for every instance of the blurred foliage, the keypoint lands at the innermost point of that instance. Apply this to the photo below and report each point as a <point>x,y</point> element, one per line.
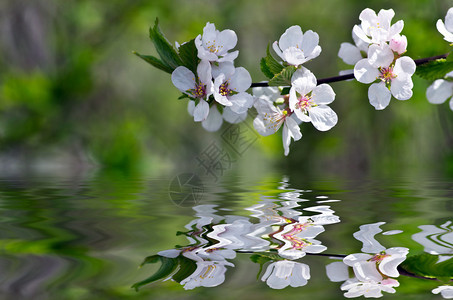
<point>73,94</point>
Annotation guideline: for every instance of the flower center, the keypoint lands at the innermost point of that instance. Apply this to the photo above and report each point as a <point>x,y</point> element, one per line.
<point>296,242</point>
<point>274,120</point>
<point>387,74</point>
<point>212,47</point>
<point>304,103</point>
<point>224,90</point>
<point>199,91</point>
<point>379,257</point>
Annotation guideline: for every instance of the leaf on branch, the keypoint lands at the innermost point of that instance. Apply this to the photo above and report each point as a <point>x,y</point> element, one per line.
<point>428,265</point>
<point>166,51</point>
<point>155,62</point>
<point>189,55</point>
<point>265,69</point>
<point>168,266</point>
<point>436,69</point>
<point>186,268</point>
<point>274,66</point>
<point>284,77</point>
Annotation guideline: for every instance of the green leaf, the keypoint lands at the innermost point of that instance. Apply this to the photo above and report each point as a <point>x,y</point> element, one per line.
<point>189,55</point>
<point>285,91</point>
<point>166,51</point>
<point>436,69</point>
<point>265,69</point>
<point>168,266</point>
<point>155,62</point>
<point>187,267</point>
<point>183,96</point>
<point>427,265</point>
<point>274,66</point>
<point>284,77</point>
<point>262,258</point>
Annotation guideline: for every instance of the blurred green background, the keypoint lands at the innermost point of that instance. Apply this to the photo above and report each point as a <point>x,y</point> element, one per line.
<point>73,97</point>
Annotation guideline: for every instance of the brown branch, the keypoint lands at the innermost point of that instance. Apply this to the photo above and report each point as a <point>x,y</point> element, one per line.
<point>418,62</point>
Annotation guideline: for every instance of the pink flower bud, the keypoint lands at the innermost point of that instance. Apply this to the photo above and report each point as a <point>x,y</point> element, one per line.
<point>398,43</point>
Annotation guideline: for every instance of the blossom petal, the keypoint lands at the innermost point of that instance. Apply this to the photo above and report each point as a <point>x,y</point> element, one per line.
<point>323,94</point>
<point>204,71</point>
<point>401,87</point>
<point>309,42</point>
<point>294,56</point>
<point>364,72</point>
<point>226,68</point>
<point>230,56</point>
<point>449,20</point>
<point>226,40</point>
<point>292,37</point>
<point>241,102</point>
<point>201,111</point>
<point>183,79</point>
<point>439,91</point>
<point>286,137</point>
<point>448,36</point>
<point>294,128</point>
<point>232,117</point>
<point>277,49</point>
<point>379,95</point>
<point>303,80</point>
<point>349,53</point>
<point>358,31</point>
<point>191,107</point>
<point>337,271</point>
<point>214,120</point>
<point>380,55</point>
<point>395,29</point>
<point>404,64</point>
<point>385,17</point>
<point>323,117</point>
<point>202,52</point>
<point>240,80</point>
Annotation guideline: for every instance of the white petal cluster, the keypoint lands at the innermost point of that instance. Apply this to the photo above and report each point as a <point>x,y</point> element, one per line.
<point>377,57</point>
<point>446,29</point>
<point>218,90</point>
<point>307,102</point>
<point>296,47</point>
<point>283,273</point>
<point>441,90</point>
<point>373,274</point>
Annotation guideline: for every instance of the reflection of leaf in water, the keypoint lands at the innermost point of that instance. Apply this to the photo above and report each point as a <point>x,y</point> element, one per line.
<point>168,265</point>
<point>262,258</point>
<point>186,268</point>
<point>428,265</point>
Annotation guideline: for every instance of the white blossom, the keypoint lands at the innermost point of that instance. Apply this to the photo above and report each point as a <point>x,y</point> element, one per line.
<point>369,267</point>
<point>309,102</point>
<point>214,45</point>
<point>282,273</point>
<point>395,77</point>
<point>296,47</point>
<point>270,118</point>
<point>377,29</point>
<point>446,29</point>
<point>200,87</point>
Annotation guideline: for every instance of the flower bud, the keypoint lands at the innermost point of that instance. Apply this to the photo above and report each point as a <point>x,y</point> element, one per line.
<point>398,43</point>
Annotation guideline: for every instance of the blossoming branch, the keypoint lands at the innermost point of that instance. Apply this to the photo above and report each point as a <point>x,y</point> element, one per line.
<point>203,70</point>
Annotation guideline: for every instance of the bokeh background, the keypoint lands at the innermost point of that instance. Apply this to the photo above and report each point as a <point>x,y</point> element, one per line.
<point>73,97</point>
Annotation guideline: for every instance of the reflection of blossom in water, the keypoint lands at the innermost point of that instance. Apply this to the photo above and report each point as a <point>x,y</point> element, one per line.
<point>299,239</point>
<point>208,274</point>
<point>445,290</point>
<point>371,272</point>
<point>356,288</point>
<point>373,267</point>
<point>437,240</point>
<point>366,236</point>
<point>282,273</point>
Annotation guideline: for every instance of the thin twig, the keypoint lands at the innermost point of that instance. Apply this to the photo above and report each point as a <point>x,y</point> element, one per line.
<point>418,62</point>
